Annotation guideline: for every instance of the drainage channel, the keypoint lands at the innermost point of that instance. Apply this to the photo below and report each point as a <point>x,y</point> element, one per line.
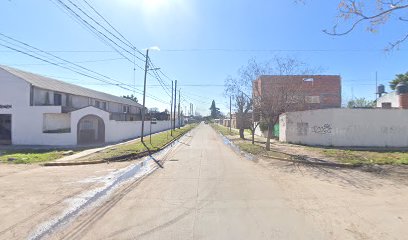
<point>91,198</point>
<point>236,149</point>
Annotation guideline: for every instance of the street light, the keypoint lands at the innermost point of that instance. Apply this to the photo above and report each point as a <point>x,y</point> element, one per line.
<point>144,86</point>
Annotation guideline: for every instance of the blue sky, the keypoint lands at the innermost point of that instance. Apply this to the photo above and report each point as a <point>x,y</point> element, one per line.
<point>194,26</point>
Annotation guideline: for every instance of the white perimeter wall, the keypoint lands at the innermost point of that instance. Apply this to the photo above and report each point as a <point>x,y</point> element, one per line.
<point>346,127</point>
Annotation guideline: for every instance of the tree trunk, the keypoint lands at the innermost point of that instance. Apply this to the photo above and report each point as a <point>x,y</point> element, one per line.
<point>253,136</point>
<point>241,133</point>
<point>268,139</point>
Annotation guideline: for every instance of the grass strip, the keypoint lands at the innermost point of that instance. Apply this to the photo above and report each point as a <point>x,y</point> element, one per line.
<point>29,156</point>
<point>136,149</point>
<point>366,157</point>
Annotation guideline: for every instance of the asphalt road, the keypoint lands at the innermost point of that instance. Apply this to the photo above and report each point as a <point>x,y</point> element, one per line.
<point>208,191</point>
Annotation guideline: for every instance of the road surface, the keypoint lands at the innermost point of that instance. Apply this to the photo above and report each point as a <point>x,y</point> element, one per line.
<point>208,191</point>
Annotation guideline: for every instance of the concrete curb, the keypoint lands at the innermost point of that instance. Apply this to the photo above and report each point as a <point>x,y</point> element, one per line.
<point>115,159</point>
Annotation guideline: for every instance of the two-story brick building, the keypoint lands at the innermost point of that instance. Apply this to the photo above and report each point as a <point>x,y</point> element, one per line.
<point>307,92</point>
<point>319,91</point>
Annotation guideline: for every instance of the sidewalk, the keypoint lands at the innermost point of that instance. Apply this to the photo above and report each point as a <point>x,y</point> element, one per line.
<point>92,151</point>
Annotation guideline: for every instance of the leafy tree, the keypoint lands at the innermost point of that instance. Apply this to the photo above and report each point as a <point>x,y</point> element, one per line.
<point>360,103</point>
<point>399,78</point>
<point>215,112</point>
<point>131,97</point>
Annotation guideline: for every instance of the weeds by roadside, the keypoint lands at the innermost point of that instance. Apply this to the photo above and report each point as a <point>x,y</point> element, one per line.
<point>257,149</point>
<point>352,157</point>
<point>365,157</point>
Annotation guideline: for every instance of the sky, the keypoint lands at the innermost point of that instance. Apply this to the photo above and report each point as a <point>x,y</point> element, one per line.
<point>201,43</point>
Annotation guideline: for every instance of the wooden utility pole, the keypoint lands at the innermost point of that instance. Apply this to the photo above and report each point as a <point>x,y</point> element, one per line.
<point>179,113</point>
<point>144,92</point>
<point>171,110</point>
<point>230,115</point>
<point>175,104</point>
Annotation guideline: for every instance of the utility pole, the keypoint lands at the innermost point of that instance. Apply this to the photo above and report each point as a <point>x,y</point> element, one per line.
<point>144,92</point>
<point>179,117</point>
<point>134,71</point>
<point>175,104</point>
<point>376,86</point>
<point>171,110</point>
<point>230,115</point>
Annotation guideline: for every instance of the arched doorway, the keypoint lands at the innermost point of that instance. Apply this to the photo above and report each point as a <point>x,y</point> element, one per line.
<point>90,130</point>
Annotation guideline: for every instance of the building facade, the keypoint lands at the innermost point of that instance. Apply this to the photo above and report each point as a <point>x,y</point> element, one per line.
<point>395,99</point>
<point>36,110</point>
<point>319,91</point>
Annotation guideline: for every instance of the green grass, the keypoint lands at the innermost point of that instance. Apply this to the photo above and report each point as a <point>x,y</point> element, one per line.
<point>259,150</point>
<point>225,130</point>
<point>366,157</point>
<point>246,145</point>
<point>250,148</point>
<point>158,141</point>
<point>28,156</point>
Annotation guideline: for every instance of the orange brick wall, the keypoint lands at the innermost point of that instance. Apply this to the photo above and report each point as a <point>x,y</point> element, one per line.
<point>327,87</point>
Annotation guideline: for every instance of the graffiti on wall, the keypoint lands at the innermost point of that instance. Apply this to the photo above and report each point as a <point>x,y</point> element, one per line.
<point>325,129</point>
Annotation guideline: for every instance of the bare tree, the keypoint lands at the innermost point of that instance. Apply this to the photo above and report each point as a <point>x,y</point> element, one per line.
<point>284,94</point>
<point>240,89</point>
<point>373,13</point>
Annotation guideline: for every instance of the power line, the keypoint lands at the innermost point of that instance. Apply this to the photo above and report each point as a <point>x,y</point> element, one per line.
<point>113,27</point>
<point>128,44</point>
<point>61,59</point>
<point>47,60</point>
<point>269,50</point>
<point>95,30</point>
<point>88,61</point>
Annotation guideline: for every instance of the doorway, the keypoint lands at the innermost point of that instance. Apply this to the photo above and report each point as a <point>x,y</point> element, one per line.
<point>5,129</point>
<point>91,130</point>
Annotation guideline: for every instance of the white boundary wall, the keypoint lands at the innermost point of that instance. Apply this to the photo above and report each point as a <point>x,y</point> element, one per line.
<point>346,127</point>
<point>27,122</point>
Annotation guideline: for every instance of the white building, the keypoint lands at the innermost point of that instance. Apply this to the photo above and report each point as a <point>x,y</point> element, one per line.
<point>346,127</point>
<point>395,99</point>
<point>36,110</point>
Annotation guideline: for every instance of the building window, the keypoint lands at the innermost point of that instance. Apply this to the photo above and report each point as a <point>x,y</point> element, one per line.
<point>104,105</point>
<point>126,109</point>
<point>97,104</point>
<point>386,105</point>
<point>312,99</point>
<point>308,79</point>
<point>57,99</point>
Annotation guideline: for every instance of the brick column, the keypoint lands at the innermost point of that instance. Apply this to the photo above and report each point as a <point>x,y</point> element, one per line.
<point>403,100</point>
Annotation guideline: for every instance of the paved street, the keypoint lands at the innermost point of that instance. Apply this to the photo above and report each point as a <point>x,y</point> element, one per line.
<point>207,191</point>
